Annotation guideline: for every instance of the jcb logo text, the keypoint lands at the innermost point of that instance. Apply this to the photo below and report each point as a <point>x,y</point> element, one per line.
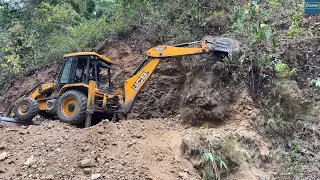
<point>140,80</point>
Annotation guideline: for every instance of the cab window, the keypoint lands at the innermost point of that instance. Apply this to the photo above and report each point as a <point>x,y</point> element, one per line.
<point>65,76</point>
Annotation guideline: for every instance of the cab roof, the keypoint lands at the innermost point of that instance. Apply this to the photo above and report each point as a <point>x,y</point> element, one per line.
<point>89,54</point>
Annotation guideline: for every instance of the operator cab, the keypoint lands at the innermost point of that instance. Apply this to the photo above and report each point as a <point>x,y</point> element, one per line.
<point>80,68</point>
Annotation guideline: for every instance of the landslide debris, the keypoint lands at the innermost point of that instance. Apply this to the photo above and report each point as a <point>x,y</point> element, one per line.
<point>130,149</point>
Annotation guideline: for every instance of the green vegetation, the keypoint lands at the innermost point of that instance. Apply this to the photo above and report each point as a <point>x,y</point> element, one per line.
<point>316,82</point>
<point>35,32</point>
<point>295,158</point>
<point>212,166</point>
<point>217,157</point>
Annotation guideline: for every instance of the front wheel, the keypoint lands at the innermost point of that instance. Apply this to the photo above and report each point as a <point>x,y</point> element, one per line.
<point>72,107</point>
<point>26,109</point>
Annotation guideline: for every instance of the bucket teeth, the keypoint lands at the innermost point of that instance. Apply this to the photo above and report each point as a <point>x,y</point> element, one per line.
<point>222,46</point>
<point>219,44</point>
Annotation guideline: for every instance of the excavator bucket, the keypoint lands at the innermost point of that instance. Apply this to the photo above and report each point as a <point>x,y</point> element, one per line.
<point>221,44</point>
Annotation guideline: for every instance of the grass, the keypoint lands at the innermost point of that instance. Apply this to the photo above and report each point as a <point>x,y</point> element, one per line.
<point>213,165</point>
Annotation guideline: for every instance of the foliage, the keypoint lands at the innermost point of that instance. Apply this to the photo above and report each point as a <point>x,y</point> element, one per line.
<point>282,69</point>
<point>294,29</point>
<point>35,32</point>
<point>275,5</point>
<point>230,149</point>
<point>295,158</point>
<point>212,165</point>
<point>279,125</point>
<point>216,162</point>
<point>316,82</point>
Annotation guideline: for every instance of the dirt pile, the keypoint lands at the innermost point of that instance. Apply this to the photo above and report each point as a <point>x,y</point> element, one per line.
<point>135,149</point>
<point>138,149</point>
<point>126,150</point>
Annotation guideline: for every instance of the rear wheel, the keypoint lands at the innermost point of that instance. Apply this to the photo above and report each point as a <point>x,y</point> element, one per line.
<point>72,107</point>
<point>26,109</point>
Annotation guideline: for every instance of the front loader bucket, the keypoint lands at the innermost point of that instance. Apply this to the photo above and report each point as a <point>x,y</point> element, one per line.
<point>10,120</point>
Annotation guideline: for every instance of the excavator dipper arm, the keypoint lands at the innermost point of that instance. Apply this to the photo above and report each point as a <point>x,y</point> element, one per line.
<point>133,85</point>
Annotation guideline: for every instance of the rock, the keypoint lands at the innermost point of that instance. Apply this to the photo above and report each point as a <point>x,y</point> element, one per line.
<point>58,150</point>
<point>30,161</point>
<point>3,156</point>
<point>49,177</point>
<point>183,175</point>
<point>119,166</point>
<point>2,170</point>
<point>101,161</point>
<point>131,143</point>
<point>86,170</point>
<point>100,130</point>
<point>87,163</point>
<point>95,176</point>
<point>2,146</point>
<point>11,130</point>
<point>137,136</point>
<point>36,176</point>
<point>22,132</point>
<point>50,126</point>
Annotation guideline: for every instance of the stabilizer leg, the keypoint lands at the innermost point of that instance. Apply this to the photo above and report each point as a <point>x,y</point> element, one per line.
<point>90,104</point>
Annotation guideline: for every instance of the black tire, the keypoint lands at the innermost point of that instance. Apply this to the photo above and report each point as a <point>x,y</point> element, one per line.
<point>31,109</point>
<point>80,112</point>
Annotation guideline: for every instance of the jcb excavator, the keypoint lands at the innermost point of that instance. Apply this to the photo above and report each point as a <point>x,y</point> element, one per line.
<point>78,92</point>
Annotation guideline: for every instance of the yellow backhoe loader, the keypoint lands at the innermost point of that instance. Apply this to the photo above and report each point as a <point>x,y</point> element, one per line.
<point>78,93</point>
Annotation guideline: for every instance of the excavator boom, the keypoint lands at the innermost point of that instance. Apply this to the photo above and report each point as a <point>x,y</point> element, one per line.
<point>133,85</point>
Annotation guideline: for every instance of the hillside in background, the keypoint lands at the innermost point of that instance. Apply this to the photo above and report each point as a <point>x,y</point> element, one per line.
<point>264,115</point>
